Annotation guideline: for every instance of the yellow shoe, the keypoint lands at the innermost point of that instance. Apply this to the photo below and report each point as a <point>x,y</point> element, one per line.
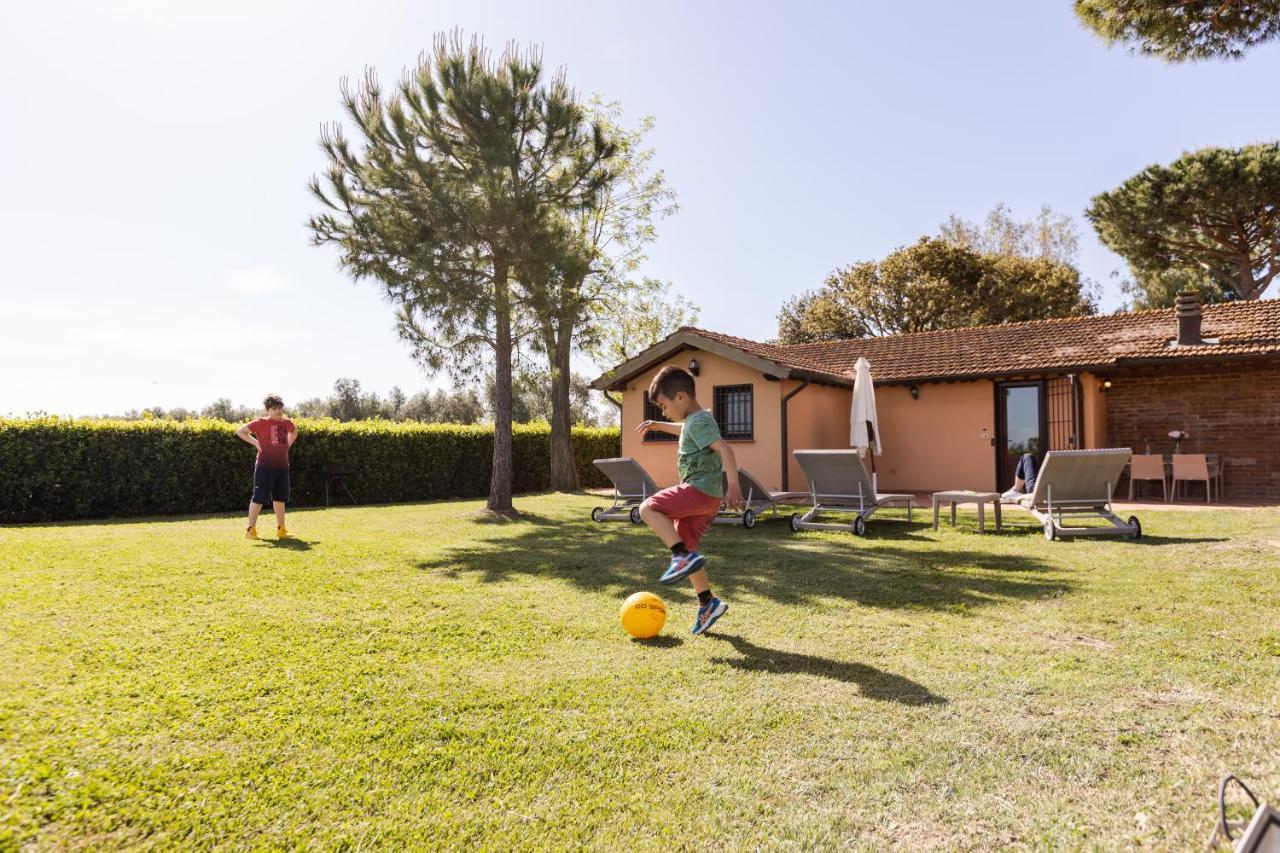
<point>282,532</point>
<point>251,533</point>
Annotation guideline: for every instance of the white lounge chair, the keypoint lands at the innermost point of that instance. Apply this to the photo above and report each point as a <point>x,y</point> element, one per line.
<point>757,499</point>
<point>631,485</point>
<point>838,483</point>
<point>1079,483</point>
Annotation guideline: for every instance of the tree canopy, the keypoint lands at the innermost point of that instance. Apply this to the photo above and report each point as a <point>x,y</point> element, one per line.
<point>1052,236</point>
<point>1183,30</point>
<point>1216,210</point>
<point>582,282</point>
<point>638,317</point>
<point>463,174</point>
<point>1002,271</point>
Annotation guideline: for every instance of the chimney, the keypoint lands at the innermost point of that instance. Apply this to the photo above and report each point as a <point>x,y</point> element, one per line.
<point>1189,315</point>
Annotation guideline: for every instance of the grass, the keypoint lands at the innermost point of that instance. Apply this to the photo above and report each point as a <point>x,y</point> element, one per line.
<point>420,676</point>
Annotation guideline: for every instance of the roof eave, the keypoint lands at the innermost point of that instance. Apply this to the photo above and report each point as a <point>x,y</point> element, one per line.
<point>684,339</point>
<point>1154,361</point>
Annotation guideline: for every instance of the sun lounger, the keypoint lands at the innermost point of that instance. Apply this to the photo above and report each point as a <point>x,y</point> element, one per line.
<point>838,483</point>
<point>1079,483</point>
<point>757,500</point>
<point>631,485</point>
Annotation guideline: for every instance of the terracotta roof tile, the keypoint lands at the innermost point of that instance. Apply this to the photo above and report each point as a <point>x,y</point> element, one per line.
<point>1242,329</point>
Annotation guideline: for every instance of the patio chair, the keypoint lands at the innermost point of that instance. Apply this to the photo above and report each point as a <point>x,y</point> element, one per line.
<point>631,485</point>
<point>1193,468</point>
<point>758,499</point>
<point>1079,483</point>
<point>1144,467</point>
<point>838,483</point>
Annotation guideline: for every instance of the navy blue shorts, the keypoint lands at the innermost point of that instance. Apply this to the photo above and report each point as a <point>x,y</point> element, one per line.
<point>270,484</point>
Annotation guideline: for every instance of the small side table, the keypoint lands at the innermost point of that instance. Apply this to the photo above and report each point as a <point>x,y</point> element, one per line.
<point>964,496</point>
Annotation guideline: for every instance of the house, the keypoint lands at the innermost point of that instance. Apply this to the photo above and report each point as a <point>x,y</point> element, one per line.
<point>956,407</point>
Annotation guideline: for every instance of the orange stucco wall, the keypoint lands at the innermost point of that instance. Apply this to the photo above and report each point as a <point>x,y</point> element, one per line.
<point>940,441</point>
<point>817,419</point>
<point>761,456</point>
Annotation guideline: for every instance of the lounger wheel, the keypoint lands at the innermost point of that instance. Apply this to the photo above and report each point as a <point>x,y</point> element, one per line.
<point>1137,527</point>
<point>1050,532</point>
<point>596,513</point>
<point>635,515</point>
<point>859,526</point>
<point>749,519</point>
<point>794,521</point>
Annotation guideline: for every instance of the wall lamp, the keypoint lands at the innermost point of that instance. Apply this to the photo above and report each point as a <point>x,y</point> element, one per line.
<point>915,392</point>
<point>693,366</point>
<point>1104,386</point>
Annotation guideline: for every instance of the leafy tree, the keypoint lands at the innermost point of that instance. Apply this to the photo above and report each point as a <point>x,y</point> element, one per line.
<point>349,402</point>
<point>459,406</point>
<point>1216,210</point>
<point>223,409</point>
<point>395,403</point>
<point>461,172</point>
<point>1183,30</point>
<point>636,318</point>
<point>583,278</point>
<point>1160,289</point>
<point>820,315</point>
<point>533,387</point>
<point>1050,235</point>
<point>933,284</point>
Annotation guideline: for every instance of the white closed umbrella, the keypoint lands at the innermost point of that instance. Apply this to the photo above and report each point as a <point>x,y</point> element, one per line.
<point>864,428</point>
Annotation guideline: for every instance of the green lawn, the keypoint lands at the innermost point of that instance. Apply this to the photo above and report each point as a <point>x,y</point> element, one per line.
<point>421,676</point>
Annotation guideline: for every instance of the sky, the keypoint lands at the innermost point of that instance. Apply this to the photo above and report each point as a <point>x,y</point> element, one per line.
<point>154,158</point>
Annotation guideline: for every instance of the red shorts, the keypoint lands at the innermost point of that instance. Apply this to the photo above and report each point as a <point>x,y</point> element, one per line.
<point>690,508</point>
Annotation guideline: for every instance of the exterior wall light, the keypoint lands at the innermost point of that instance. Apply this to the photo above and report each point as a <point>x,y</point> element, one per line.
<point>693,366</point>
<point>915,392</point>
<point>1104,386</point>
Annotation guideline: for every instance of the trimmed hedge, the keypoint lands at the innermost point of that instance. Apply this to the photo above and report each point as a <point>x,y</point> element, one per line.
<point>56,468</point>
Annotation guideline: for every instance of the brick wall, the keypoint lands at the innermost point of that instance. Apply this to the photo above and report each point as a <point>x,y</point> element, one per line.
<point>1232,411</point>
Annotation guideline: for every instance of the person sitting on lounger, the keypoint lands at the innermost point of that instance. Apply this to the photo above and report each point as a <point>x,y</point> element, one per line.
<point>1024,477</point>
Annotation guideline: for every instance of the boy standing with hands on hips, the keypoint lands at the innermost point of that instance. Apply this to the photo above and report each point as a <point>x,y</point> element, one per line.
<point>272,436</point>
<point>681,514</point>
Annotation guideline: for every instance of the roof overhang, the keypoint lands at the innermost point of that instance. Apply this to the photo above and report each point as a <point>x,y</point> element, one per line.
<point>685,339</point>
<point>1184,360</point>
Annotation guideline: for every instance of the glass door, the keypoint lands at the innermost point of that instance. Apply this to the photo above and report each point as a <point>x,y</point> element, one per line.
<point>1020,426</point>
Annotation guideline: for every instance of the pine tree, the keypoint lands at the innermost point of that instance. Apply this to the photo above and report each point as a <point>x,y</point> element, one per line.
<point>460,170</point>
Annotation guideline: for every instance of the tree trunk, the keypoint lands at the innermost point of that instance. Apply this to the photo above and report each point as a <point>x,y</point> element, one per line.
<point>564,476</point>
<point>500,483</point>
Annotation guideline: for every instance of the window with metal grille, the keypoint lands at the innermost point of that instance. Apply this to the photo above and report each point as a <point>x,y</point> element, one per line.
<point>653,413</point>
<point>732,406</point>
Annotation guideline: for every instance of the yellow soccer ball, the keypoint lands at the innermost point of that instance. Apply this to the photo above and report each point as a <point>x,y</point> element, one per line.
<point>643,615</point>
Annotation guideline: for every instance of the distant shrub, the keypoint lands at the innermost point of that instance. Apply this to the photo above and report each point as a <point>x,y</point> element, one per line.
<point>58,468</point>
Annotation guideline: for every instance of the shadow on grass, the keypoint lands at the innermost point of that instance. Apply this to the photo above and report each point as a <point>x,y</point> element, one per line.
<point>873,683</point>
<point>895,570</point>
<point>293,543</point>
<point>662,641</point>
<point>484,516</point>
<point>1147,539</point>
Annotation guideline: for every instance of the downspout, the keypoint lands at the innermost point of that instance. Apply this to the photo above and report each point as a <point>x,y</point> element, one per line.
<point>786,473</point>
<point>611,399</point>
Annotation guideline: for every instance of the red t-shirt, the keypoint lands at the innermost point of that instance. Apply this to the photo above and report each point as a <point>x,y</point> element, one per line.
<point>273,441</point>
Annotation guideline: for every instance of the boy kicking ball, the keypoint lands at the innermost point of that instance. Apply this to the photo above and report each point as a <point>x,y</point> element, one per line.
<point>272,436</point>
<point>681,514</point>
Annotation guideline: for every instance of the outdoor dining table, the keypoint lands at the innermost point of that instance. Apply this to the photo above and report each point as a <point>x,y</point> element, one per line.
<point>1216,467</point>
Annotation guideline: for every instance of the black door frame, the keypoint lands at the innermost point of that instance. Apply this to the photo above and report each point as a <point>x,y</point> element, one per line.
<point>1002,437</point>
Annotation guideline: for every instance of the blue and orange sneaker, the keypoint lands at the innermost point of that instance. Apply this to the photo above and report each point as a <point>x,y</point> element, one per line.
<point>707,615</point>
<point>682,566</point>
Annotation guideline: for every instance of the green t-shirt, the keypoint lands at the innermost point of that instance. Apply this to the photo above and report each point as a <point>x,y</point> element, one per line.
<point>699,465</point>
